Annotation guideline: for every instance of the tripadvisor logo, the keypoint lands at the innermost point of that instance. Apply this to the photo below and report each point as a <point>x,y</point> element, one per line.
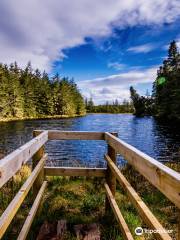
<point>139,231</point>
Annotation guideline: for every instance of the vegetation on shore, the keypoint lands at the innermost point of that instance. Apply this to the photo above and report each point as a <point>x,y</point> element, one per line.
<point>115,107</point>
<point>143,105</point>
<point>165,100</point>
<point>41,117</point>
<point>80,200</point>
<point>27,94</point>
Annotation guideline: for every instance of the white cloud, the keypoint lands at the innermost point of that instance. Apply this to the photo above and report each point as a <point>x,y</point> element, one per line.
<point>116,86</point>
<point>145,48</point>
<point>38,30</point>
<point>116,65</point>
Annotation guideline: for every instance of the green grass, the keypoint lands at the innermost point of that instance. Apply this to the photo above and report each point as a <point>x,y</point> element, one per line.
<point>80,200</point>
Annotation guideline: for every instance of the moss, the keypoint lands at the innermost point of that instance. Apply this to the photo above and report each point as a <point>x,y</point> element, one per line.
<point>80,200</point>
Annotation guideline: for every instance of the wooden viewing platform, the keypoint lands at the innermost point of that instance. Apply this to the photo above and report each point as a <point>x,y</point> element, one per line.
<point>159,175</point>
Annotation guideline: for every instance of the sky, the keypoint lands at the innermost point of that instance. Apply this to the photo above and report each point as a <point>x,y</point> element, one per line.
<point>105,45</point>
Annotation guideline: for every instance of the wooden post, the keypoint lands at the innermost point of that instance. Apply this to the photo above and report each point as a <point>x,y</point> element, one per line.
<point>110,178</point>
<point>35,159</point>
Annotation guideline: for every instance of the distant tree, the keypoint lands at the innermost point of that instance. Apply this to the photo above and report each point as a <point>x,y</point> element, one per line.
<point>147,93</point>
<point>90,105</point>
<point>114,107</point>
<point>142,105</point>
<point>138,102</point>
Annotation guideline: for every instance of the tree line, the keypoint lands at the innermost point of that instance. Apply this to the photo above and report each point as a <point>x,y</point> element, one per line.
<point>164,103</point>
<point>114,107</point>
<point>25,93</point>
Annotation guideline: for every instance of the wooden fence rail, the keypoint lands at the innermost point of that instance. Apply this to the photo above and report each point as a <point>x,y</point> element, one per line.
<point>14,161</point>
<point>75,171</point>
<point>159,175</point>
<point>27,224</point>
<point>15,204</point>
<point>140,206</point>
<point>123,225</point>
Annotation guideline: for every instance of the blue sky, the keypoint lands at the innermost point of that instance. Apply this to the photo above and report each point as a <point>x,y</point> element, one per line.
<point>138,48</point>
<point>106,46</point>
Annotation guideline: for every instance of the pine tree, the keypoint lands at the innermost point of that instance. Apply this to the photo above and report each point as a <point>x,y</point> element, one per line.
<point>28,93</point>
<point>166,88</point>
<point>172,52</point>
<point>90,105</point>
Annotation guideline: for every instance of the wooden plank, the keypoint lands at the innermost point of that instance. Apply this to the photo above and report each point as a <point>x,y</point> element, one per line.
<point>15,204</point>
<point>74,135</point>
<point>35,159</point>
<point>123,226</point>
<point>110,178</point>
<point>141,207</point>
<point>161,176</point>
<point>27,224</point>
<point>75,171</point>
<point>14,161</point>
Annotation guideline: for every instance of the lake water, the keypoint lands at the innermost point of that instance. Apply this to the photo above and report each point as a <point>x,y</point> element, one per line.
<point>159,141</point>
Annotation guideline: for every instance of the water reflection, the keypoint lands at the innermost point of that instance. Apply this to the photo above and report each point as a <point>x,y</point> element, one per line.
<point>158,140</point>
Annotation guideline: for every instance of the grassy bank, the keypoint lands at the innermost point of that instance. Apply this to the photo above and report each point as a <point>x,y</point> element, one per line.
<point>80,200</point>
<point>41,117</point>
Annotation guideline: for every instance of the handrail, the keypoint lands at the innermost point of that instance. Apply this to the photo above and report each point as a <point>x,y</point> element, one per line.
<point>73,135</point>
<point>140,206</point>
<point>122,223</point>
<point>15,204</point>
<point>75,171</point>
<point>161,176</point>
<point>13,162</point>
<point>27,224</point>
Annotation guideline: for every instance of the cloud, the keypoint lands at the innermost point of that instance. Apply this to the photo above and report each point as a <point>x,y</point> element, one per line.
<point>39,30</point>
<point>116,65</point>
<point>116,86</point>
<point>142,48</point>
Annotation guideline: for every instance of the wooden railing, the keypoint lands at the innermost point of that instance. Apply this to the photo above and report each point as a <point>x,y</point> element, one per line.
<point>159,175</point>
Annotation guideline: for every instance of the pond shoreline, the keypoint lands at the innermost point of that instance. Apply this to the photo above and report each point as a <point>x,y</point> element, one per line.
<point>159,141</point>
<point>54,117</point>
<point>40,118</point>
